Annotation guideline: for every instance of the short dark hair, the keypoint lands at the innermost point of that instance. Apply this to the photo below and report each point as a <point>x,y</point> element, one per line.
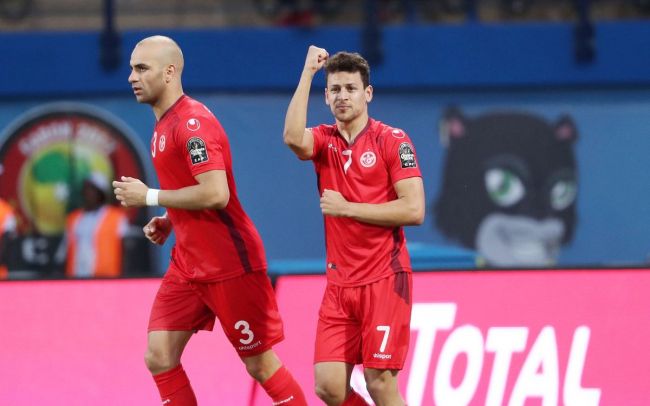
<point>349,62</point>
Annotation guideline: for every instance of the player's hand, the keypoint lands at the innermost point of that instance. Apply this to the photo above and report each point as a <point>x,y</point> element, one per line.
<point>131,192</point>
<point>158,229</point>
<point>316,58</point>
<point>332,203</point>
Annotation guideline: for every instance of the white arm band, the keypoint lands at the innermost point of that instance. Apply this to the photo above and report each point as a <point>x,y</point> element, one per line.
<point>152,197</point>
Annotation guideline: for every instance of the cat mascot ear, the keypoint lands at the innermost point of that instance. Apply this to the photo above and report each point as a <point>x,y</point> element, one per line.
<point>565,129</point>
<point>453,126</point>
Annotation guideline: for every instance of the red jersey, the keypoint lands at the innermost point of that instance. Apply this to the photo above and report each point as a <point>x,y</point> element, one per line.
<point>363,172</point>
<point>211,245</point>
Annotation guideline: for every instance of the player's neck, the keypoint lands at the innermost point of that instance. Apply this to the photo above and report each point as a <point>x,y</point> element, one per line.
<point>165,102</point>
<point>351,129</point>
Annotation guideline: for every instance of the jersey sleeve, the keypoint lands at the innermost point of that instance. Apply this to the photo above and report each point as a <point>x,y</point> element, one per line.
<point>400,156</point>
<point>319,141</point>
<point>200,142</point>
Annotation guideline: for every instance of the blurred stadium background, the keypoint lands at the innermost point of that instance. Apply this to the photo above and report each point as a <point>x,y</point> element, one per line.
<point>559,316</point>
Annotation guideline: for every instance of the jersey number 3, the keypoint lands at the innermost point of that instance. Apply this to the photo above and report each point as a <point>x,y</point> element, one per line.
<point>246,330</point>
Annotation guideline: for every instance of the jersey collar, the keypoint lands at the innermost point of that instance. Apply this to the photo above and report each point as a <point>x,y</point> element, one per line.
<point>363,132</point>
<point>172,107</point>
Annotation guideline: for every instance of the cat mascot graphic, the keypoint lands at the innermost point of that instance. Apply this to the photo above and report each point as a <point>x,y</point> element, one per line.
<point>509,186</point>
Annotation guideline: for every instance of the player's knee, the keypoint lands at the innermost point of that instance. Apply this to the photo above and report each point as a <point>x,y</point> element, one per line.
<point>380,387</point>
<point>257,370</point>
<point>329,393</point>
<point>158,362</point>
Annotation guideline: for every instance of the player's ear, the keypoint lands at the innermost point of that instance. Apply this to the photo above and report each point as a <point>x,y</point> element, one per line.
<point>369,90</point>
<point>453,125</point>
<point>326,99</point>
<point>170,70</point>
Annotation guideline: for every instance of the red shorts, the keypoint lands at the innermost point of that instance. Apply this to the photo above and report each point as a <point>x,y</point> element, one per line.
<point>245,306</point>
<point>367,324</point>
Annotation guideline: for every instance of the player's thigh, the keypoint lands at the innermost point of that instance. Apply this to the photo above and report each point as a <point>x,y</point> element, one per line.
<point>178,306</point>
<point>248,312</point>
<point>167,346</point>
<point>338,333</point>
<point>386,324</point>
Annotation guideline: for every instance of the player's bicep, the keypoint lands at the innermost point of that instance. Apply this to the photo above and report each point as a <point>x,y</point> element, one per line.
<point>214,186</point>
<point>411,192</point>
<point>305,149</point>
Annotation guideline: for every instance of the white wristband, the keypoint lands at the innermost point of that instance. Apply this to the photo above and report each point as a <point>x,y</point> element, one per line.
<point>152,197</point>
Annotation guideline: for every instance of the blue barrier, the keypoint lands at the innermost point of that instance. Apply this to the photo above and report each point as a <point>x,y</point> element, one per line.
<point>424,257</point>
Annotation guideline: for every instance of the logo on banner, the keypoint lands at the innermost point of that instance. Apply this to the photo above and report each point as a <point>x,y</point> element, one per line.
<point>538,376</point>
<point>47,153</point>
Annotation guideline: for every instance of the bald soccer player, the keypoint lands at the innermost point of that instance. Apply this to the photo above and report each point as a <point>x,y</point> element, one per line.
<point>218,266</point>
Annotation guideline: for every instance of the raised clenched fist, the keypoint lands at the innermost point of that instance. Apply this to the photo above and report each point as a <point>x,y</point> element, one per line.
<point>316,58</point>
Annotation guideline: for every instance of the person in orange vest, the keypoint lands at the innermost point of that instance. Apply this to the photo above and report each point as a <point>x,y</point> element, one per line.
<point>94,233</point>
<point>7,225</point>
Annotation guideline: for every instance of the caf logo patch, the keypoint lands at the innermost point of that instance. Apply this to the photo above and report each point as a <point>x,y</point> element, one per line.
<point>198,151</point>
<point>407,156</point>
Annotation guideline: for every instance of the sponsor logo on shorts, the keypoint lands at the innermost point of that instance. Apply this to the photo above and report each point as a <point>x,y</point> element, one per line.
<point>382,356</point>
<point>250,347</point>
<point>407,156</point>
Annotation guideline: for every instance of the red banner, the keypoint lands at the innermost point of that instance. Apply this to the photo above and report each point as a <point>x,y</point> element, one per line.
<point>505,338</point>
<point>478,338</point>
<point>81,343</point>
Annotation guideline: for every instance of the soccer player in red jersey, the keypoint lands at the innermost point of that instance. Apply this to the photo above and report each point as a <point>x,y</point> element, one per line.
<point>218,265</point>
<point>370,187</point>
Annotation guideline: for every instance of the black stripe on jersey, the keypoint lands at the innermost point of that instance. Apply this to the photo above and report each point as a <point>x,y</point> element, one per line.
<point>401,286</point>
<point>394,255</point>
<point>237,240</point>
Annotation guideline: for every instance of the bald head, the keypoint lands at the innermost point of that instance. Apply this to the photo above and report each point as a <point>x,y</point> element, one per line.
<point>164,50</point>
<point>156,68</point>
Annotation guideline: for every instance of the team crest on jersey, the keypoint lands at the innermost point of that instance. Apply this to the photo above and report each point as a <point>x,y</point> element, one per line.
<point>193,124</point>
<point>368,159</point>
<point>398,134</point>
<point>407,156</point>
<point>161,143</point>
<point>198,151</point>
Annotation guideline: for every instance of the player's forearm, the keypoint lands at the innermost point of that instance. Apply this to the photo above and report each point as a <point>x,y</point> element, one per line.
<point>196,197</point>
<point>399,212</point>
<point>295,120</point>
